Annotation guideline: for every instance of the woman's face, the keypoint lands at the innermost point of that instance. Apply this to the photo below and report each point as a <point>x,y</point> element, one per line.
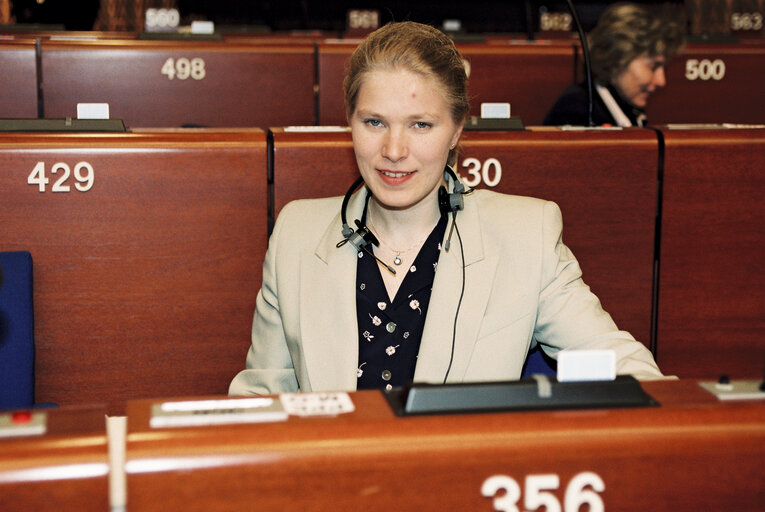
<point>402,132</point>
<point>642,76</point>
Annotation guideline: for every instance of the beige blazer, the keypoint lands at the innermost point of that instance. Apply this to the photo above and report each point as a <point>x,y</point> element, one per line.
<point>522,287</point>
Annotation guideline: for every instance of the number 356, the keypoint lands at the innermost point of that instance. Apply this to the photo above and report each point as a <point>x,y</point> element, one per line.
<point>583,488</point>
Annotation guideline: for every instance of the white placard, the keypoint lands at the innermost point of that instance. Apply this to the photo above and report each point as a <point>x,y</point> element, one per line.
<point>202,27</point>
<point>495,111</point>
<point>92,111</point>
<point>586,365</point>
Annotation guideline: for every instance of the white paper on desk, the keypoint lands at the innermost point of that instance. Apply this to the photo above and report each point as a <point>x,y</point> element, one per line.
<point>216,412</point>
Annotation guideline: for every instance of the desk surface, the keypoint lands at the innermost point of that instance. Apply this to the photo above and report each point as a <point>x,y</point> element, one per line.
<point>691,452</point>
<point>66,468</point>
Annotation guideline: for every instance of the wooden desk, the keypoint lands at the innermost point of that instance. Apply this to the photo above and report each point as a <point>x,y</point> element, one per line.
<point>65,469</point>
<point>604,181</point>
<point>176,83</point>
<point>528,75</point>
<point>18,79</point>
<point>712,83</point>
<point>691,453</point>
<point>712,289</point>
<point>145,284</point>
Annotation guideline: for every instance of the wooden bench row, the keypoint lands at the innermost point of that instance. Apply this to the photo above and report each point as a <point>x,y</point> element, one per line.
<point>148,246</point>
<point>605,458</point>
<point>262,83</point>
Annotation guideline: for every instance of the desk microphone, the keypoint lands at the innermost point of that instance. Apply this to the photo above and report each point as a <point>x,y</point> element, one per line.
<point>586,53</point>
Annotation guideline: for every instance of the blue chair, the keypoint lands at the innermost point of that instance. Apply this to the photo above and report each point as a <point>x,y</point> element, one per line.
<point>537,362</point>
<point>17,352</point>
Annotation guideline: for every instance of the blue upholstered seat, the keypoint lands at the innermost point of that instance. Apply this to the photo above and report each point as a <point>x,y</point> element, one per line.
<point>537,362</point>
<point>17,353</point>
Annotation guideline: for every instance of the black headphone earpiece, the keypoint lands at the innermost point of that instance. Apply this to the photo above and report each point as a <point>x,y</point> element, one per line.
<point>451,202</point>
<point>362,236</point>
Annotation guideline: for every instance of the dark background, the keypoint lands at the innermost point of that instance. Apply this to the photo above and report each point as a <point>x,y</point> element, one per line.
<point>328,15</point>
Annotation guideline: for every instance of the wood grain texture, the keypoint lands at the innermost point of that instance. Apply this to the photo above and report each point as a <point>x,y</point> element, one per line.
<point>712,298</point>
<point>736,98</point>
<point>65,469</point>
<point>18,79</point>
<point>243,85</point>
<point>690,453</point>
<point>145,285</point>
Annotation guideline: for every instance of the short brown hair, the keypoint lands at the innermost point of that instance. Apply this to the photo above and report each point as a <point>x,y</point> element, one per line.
<point>625,31</point>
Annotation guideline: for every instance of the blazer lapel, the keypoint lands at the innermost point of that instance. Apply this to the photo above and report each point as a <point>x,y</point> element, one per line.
<point>328,303</point>
<point>480,267</point>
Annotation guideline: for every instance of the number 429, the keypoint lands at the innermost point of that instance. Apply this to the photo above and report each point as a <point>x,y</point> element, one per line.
<point>83,175</point>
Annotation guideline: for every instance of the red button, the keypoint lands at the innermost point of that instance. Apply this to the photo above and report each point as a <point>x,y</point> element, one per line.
<point>21,417</point>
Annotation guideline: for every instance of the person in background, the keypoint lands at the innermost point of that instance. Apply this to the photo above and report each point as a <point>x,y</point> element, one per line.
<point>629,48</point>
<point>411,277</point>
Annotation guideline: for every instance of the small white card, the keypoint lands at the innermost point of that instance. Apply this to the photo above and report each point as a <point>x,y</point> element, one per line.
<point>92,111</point>
<point>586,365</point>
<point>316,404</point>
<point>202,27</point>
<point>495,111</point>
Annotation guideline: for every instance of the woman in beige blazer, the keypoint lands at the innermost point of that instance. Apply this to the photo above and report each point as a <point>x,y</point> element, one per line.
<point>433,283</point>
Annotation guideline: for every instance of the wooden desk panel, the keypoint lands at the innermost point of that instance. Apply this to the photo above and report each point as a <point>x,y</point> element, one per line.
<point>712,298</point>
<point>226,84</point>
<point>711,83</point>
<point>65,469</point>
<point>604,182</point>
<point>18,79</point>
<point>145,284</point>
<point>529,76</point>
<point>691,453</point>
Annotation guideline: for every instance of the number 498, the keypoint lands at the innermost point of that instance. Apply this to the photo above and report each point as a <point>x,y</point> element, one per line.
<point>83,175</point>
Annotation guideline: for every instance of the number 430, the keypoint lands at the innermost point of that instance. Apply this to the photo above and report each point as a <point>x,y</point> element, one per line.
<point>83,175</point>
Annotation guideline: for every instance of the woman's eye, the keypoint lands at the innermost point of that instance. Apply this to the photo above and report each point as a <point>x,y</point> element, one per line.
<point>373,122</point>
<point>422,124</point>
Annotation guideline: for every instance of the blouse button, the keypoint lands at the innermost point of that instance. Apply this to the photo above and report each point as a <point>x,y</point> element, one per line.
<point>386,375</point>
<point>390,327</point>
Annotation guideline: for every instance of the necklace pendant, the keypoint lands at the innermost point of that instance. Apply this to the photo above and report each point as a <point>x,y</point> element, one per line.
<point>397,260</point>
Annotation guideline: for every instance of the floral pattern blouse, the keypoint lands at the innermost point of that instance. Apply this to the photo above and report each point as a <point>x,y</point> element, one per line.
<point>390,332</point>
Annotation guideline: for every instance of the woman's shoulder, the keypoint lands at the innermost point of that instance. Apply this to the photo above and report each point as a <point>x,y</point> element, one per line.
<point>308,216</point>
<point>507,212</point>
<point>310,210</point>
<point>490,199</point>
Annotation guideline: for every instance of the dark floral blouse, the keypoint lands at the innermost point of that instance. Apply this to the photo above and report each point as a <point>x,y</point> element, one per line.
<point>390,332</point>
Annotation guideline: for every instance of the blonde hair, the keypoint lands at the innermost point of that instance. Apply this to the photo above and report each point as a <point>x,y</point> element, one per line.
<point>418,48</point>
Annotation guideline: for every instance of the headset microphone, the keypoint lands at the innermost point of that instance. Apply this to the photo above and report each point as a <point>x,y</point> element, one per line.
<point>362,236</point>
<point>451,202</point>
